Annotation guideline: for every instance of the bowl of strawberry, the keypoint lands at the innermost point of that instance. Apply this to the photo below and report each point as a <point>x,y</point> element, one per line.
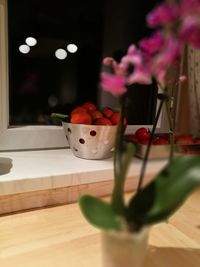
<point>159,147</point>
<point>184,143</point>
<point>91,131</point>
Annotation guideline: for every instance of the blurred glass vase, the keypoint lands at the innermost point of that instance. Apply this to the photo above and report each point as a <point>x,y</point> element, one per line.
<point>124,249</point>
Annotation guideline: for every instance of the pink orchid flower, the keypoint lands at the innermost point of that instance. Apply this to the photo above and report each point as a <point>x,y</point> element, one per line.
<point>167,56</point>
<point>119,69</point>
<point>189,7</point>
<point>108,61</point>
<point>190,31</point>
<point>114,84</point>
<point>153,44</point>
<point>133,57</point>
<point>179,24</point>
<point>163,14</point>
<point>128,60</point>
<point>141,75</point>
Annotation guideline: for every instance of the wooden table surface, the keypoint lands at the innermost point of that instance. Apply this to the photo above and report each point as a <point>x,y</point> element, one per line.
<point>59,236</point>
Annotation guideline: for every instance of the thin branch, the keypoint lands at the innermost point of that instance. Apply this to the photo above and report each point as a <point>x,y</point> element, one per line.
<point>145,160</point>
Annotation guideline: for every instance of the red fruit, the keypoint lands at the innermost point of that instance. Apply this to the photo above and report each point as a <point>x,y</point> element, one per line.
<point>184,139</point>
<point>96,114</point>
<point>115,118</point>
<point>196,141</point>
<point>78,110</point>
<point>132,138</point>
<point>142,134</point>
<point>103,121</point>
<point>89,106</point>
<point>107,112</point>
<point>160,141</point>
<point>81,118</point>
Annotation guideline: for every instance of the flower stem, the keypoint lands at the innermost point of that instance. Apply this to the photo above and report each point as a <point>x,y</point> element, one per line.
<point>146,156</point>
<point>171,129</point>
<point>117,200</point>
<point>171,106</point>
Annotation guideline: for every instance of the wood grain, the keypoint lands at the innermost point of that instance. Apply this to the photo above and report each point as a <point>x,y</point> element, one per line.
<point>63,195</point>
<point>60,237</point>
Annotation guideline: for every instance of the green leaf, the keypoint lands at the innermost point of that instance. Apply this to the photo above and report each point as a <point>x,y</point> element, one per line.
<point>99,213</point>
<point>160,199</point>
<point>60,116</point>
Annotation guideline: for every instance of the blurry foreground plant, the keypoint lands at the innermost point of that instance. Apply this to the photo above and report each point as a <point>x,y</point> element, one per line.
<point>177,24</point>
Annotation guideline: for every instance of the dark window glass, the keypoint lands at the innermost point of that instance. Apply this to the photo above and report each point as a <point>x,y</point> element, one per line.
<point>40,83</point>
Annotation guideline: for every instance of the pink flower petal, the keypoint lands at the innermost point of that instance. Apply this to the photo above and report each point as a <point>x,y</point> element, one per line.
<point>190,31</point>
<point>108,61</point>
<point>114,84</point>
<point>189,7</point>
<point>168,56</point>
<point>141,75</point>
<point>131,60</point>
<point>163,14</point>
<point>153,44</point>
<point>132,50</point>
<point>160,74</point>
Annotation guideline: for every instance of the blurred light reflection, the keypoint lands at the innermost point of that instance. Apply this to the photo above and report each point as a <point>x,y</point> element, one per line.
<point>24,49</point>
<point>72,48</point>
<point>31,41</point>
<point>61,54</point>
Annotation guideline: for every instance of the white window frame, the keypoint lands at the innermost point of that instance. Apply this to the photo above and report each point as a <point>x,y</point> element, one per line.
<point>32,137</point>
<point>26,137</point>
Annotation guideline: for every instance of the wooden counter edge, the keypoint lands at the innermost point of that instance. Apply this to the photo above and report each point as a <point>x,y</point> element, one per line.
<point>59,196</point>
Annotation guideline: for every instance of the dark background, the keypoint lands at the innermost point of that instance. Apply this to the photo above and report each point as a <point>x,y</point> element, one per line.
<point>41,84</point>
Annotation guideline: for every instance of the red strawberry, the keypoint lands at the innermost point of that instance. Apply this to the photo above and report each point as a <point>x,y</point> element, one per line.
<point>184,139</point>
<point>81,118</point>
<point>103,121</point>
<point>96,114</point>
<point>115,118</point>
<point>89,106</point>
<point>196,141</point>
<point>107,112</point>
<point>132,138</point>
<point>78,110</point>
<point>160,141</point>
<point>142,134</point>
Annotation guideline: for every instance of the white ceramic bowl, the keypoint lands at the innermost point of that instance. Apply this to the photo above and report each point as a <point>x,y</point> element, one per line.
<point>90,141</point>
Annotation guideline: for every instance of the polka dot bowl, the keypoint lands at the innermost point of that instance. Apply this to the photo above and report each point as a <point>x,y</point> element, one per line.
<point>90,141</point>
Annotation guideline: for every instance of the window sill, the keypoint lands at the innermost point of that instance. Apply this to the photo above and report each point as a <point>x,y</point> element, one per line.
<point>51,173</point>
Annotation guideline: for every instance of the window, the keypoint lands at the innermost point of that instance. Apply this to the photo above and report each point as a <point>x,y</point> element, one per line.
<point>40,78</point>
